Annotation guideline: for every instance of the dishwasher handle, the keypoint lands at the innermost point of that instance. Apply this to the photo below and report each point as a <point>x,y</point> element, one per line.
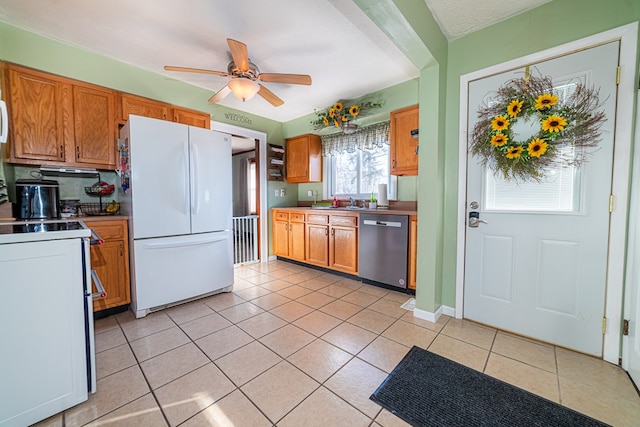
<point>383,223</point>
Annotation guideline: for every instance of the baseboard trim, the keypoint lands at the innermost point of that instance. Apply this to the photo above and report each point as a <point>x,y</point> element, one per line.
<point>434,316</point>
<point>448,311</point>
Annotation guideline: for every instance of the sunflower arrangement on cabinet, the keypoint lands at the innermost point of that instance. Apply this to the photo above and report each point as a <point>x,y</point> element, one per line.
<point>553,122</point>
<point>342,113</point>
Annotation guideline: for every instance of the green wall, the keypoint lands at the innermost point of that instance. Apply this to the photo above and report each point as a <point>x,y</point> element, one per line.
<point>553,24</point>
<point>436,90</point>
<point>393,98</point>
<point>32,50</point>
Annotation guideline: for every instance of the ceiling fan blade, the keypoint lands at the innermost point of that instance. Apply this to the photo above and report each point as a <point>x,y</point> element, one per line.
<point>270,96</point>
<point>294,79</point>
<point>196,70</point>
<point>239,54</point>
<point>219,96</point>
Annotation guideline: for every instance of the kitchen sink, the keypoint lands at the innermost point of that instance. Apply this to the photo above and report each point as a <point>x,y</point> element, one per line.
<point>354,208</point>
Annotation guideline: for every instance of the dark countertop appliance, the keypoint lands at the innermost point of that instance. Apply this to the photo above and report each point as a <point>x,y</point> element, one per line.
<point>37,199</point>
<point>382,249</point>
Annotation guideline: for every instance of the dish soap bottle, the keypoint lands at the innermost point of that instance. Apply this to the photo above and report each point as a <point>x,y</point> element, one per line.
<point>335,201</point>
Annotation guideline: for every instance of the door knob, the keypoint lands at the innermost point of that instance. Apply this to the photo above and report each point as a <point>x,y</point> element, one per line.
<point>475,222</point>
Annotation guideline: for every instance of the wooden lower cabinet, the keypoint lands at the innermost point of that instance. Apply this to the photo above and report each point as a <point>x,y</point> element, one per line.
<point>296,240</point>
<point>289,235</point>
<point>280,230</point>
<point>329,240</point>
<point>343,244</point>
<point>318,240</point>
<point>111,261</point>
<point>413,251</point>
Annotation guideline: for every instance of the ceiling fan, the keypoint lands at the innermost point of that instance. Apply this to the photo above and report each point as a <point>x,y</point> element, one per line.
<point>244,75</point>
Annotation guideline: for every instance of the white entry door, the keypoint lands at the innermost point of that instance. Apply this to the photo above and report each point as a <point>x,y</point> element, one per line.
<point>537,267</point>
<point>631,344</point>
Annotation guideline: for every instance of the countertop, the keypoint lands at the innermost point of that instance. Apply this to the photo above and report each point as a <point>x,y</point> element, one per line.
<point>94,218</point>
<point>35,231</point>
<point>14,231</point>
<point>390,211</point>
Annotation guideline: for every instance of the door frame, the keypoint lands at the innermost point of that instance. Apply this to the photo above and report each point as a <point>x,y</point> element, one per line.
<point>262,167</point>
<point>628,37</point>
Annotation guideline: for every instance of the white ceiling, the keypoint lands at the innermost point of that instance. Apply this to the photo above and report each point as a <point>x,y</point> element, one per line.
<point>334,41</point>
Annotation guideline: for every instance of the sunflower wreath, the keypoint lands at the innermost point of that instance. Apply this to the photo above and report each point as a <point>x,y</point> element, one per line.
<point>574,121</point>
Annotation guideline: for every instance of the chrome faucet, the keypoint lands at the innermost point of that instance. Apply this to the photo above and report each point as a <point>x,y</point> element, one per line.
<point>351,201</point>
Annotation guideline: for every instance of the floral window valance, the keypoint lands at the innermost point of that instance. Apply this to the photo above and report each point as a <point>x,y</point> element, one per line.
<point>366,138</point>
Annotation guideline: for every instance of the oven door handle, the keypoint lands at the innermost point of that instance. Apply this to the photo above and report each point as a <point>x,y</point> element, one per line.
<point>95,239</point>
<point>96,281</point>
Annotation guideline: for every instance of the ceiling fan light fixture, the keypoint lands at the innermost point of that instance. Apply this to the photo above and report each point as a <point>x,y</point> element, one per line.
<point>243,88</point>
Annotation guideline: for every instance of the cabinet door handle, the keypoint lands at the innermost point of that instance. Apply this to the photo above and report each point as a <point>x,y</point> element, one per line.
<point>121,250</point>
<point>326,232</point>
<point>290,227</point>
<point>61,151</point>
<point>333,231</point>
<point>77,153</point>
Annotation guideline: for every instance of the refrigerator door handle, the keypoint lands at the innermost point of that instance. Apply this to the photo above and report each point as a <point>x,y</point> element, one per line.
<point>185,149</point>
<point>195,203</point>
<point>184,243</point>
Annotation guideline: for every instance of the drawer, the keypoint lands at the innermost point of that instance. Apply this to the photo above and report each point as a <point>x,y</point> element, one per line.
<point>296,217</point>
<point>282,216</point>
<point>107,230</point>
<point>347,221</point>
<point>317,219</point>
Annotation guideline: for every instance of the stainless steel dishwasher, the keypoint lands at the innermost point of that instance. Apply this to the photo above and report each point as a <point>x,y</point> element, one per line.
<point>383,248</point>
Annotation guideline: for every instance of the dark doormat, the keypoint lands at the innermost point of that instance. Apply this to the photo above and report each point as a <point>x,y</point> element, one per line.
<point>428,390</point>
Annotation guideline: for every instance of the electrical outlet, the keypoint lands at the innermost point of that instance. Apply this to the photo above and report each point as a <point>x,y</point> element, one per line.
<point>310,193</point>
<point>282,192</point>
<point>277,192</point>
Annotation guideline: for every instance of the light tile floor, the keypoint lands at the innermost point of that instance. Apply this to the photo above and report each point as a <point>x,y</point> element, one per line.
<point>293,346</point>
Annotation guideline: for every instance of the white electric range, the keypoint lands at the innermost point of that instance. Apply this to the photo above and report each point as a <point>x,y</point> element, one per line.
<point>46,319</point>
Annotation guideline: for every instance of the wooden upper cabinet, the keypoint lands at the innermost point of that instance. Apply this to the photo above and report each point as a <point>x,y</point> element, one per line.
<point>303,159</point>
<point>139,106</point>
<point>191,118</point>
<point>94,126</point>
<point>38,105</point>
<point>56,121</point>
<point>404,147</point>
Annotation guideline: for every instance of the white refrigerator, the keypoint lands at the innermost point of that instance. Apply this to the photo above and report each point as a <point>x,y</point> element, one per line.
<point>175,187</point>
